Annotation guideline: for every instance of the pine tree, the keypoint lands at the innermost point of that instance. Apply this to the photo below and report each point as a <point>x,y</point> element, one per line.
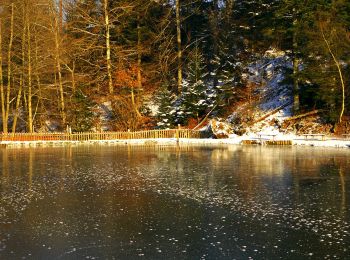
<point>166,111</point>
<point>195,100</point>
<point>81,116</point>
<point>290,16</point>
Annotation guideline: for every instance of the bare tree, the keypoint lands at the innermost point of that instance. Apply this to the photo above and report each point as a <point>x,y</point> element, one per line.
<point>341,77</point>
<point>21,76</point>
<point>5,96</point>
<point>55,29</point>
<point>29,71</point>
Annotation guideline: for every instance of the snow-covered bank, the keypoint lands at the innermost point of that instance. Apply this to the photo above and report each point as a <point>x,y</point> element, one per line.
<point>271,110</point>
<point>235,140</point>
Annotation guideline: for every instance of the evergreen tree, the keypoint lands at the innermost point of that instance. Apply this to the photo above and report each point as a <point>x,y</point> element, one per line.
<point>166,111</point>
<point>289,19</point>
<point>193,102</point>
<point>81,117</point>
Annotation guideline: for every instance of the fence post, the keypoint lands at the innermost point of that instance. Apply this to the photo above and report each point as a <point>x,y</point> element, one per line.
<point>69,129</point>
<point>178,133</point>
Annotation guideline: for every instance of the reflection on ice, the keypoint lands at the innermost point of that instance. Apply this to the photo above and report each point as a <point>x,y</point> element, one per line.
<point>174,202</point>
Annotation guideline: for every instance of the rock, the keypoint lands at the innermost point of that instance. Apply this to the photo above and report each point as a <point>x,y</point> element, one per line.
<point>220,129</point>
<point>52,126</point>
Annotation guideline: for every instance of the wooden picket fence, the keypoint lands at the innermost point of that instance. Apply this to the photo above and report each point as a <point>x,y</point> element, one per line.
<point>101,136</point>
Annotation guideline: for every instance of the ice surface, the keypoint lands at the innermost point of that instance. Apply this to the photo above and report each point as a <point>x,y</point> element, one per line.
<point>174,201</point>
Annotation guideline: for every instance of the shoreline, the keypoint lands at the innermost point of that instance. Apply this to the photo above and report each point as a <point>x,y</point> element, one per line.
<point>334,143</point>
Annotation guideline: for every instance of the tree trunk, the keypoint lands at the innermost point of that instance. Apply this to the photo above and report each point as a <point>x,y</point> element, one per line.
<point>18,102</point>
<point>29,59</point>
<point>9,72</point>
<point>72,71</point>
<point>3,114</point>
<point>108,48</point>
<point>311,113</point>
<point>60,83</point>
<point>21,80</point>
<point>56,32</point>
<point>179,48</point>
<point>139,76</point>
<point>215,35</point>
<point>61,15</point>
<point>229,10</point>
<point>296,101</point>
<point>37,75</point>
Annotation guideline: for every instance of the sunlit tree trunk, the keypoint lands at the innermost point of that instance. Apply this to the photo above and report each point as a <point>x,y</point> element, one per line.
<point>9,72</point>
<point>2,84</point>
<point>139,76</point>
<point>72,72</point>
<point>60,80</point>
<point>18,102</point>
<point>21,80</point>
<point>57,37</point>
<point>29,68</point>
<point>60,4</point>
<point>179,48</point>
<point>139,55</point>
<point>108,47</point>
<point>37,73</point>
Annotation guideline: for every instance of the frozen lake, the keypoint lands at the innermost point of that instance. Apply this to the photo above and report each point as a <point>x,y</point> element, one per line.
<point>188,202</point>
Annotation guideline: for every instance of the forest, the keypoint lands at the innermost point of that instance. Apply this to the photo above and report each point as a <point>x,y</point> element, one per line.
<point>62,61</point>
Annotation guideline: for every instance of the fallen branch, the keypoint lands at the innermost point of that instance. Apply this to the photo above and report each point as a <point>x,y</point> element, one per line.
<point>205,118</point>
<point>314,112</point>
<point>271,113</point>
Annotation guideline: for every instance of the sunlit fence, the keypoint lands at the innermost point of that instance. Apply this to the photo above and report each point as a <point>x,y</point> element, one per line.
<point>90,136</point>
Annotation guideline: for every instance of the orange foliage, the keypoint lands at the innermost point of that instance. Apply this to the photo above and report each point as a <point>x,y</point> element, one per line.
<point>192,123</point>
<point>126,77</point>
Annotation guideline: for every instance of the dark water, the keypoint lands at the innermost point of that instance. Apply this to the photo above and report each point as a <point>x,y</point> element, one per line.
<point>227,202</point>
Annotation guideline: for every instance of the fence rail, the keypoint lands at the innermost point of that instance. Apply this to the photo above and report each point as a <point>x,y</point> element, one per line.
<point>90,136</point>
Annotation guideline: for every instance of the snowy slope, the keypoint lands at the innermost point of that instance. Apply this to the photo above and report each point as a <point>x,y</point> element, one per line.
<point>270,93</point>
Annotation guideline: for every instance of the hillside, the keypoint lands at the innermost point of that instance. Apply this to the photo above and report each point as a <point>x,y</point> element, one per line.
<point>270,110</point>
